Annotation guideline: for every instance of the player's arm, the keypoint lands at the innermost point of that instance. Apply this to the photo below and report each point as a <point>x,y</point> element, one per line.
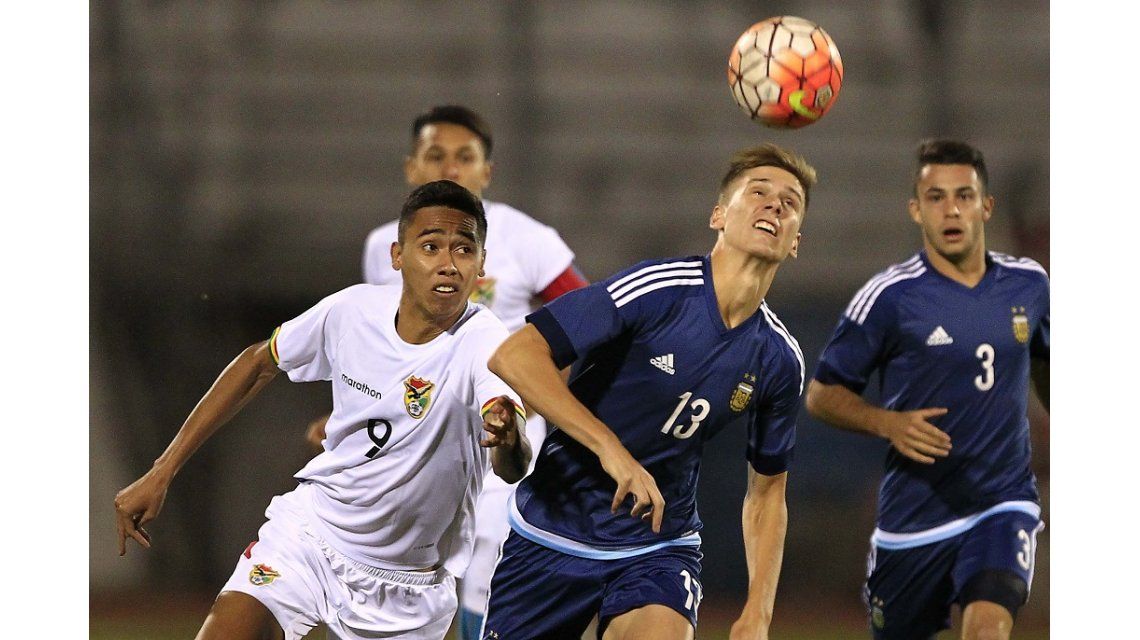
<point>765,523</point>
<point>505,424</point>
<point>525,362</point>
<point>1039,373</point>
<point>315,433</point>
<point>238,383</point>
<point>910,432</point>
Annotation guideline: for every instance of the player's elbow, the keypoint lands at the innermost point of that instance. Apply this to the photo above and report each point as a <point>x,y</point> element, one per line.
<point>814,399</point>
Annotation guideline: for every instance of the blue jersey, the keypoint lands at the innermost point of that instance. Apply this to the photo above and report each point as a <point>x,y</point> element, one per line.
<point>655,362</point>
<point>938,343</point>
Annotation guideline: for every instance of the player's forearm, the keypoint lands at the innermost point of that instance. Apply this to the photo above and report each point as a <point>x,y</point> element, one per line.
<point>765,523</point>
<point>238,383</point>
<point>524,362</point>
<point>841,407</point>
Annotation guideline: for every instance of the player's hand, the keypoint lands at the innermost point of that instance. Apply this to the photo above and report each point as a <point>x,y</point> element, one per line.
<point>633,480</point>
<point>746,630</point>
<point>137,505</point>
<point>911,433</point>
<point>500,424</point>
<point>315,433</point>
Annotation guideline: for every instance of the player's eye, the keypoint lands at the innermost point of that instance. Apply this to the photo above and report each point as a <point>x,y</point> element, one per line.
<point>430,247</point>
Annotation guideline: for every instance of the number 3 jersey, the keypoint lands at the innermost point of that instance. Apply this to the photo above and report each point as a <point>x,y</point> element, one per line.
<point>401,467</point>
<point>938,343</point>
<point>654,361</point>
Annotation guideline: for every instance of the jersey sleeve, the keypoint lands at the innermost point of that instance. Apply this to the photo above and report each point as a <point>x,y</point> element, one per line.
<point>543,256</point>
<point>856,348</point>
<point>580,320</point>
<point>377,261</point>
<point>489,386</point>
<point>1039,345</point>
<point>303,346</point>
<point>772,435</point>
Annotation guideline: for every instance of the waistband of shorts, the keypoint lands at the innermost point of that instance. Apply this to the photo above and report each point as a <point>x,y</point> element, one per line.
<point>410,578</point>
<point>891,541</point>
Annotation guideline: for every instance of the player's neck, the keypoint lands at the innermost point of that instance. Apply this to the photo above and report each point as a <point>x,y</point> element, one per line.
<point>967,270</point>
<point>415,326</point>
<point>740,281</point>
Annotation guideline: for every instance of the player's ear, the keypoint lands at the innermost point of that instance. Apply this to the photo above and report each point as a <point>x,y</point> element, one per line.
<point>482,262</point>
<point>915,214</point>
<point>397,256</point>
<point>485,178</point>
<point>795,251</point>
<point>987,208</point>
<point>410,171</point>
<point>716,220</point>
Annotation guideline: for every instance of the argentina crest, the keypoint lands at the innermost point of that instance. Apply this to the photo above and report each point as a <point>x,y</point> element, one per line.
<point>417,396</point>
<point>1020,324</point>
<point>742,394</point>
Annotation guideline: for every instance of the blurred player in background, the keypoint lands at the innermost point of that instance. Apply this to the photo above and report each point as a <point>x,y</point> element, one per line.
<point>382,520</point>
<point>525,260</point>
<point>956,333</point>
<point>665,354</point>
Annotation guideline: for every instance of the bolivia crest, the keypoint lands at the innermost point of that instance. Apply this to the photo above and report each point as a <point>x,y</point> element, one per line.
<point>417,396</point>
<point>1020,324</point>
<point>484,291</point>
<point>262,574</point>
<point>742,394</point>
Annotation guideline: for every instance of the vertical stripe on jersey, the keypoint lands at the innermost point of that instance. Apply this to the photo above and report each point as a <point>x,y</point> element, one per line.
<point>787,335</point>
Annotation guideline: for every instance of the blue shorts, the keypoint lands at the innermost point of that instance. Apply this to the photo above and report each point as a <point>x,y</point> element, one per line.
<point>909,591</point>
<point>537,592</point>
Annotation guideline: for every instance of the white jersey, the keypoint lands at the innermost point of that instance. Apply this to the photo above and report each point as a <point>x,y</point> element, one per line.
<point>523,257</point>
<point>402,466</point>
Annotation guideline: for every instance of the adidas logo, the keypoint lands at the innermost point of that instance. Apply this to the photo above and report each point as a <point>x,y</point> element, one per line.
<point>664,363</point>
<point>939,337</point>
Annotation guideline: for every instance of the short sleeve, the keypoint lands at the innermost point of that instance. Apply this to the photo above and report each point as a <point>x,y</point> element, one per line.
<point>1039,345</point>
<point>856,348</point>
<point>580,320</point>
<point>377,261</point>
<point>772,435</point>
<point>301,347</point>
<point>489,386</point>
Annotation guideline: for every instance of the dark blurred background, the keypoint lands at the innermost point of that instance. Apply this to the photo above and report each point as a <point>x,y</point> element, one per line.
<point>240,152</point>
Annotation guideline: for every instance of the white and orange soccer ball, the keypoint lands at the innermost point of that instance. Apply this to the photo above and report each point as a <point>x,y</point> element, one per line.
<point>785,72</point>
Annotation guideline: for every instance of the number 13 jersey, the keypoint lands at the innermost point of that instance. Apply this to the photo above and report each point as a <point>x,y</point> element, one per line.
<point>401,467</point>
<point>653,360</point>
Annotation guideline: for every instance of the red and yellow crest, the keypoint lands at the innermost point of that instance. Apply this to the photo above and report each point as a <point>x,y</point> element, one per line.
<point>1020,324</point>
<point>484,291</point>
<point>417,396</point>
<point>262,574</point>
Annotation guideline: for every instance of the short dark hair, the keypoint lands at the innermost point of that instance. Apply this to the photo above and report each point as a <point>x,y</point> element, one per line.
<point>770,155</point>
<point>454,114</point>
<point>946,151</point>
<point>443,193</point>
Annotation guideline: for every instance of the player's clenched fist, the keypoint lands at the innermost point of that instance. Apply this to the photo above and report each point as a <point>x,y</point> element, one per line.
<point>500,423</point>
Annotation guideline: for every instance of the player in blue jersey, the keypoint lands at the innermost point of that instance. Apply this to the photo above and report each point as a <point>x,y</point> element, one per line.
<point>665,354</point>
<point>956,333</point>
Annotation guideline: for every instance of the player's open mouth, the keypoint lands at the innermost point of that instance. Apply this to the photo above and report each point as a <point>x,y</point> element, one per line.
<point>445,289</point>
<point>764,225</point>
<point>952,234</point>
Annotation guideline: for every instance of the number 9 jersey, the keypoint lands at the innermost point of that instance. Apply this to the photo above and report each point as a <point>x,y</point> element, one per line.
<point>396,484</point>
<point>654,361</point>
<point>938,343</point>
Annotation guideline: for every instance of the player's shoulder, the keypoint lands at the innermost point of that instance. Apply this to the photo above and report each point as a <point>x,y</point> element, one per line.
<point>478,320</point>
<point>658,278</point>
<point>1015,266</point>
<point>885,286</point>
<point>504,217</point>
<point>788,353</point>
<point>368,296</point>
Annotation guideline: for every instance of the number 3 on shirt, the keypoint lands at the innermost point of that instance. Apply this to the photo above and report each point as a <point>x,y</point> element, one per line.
<point>985,353</point>
<point>681,431</point>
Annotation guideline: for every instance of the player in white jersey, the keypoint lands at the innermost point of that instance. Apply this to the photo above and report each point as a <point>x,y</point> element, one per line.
<point>526,260</point>
<point>371,540</point>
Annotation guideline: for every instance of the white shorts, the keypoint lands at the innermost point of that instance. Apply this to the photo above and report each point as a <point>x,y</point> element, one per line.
<point>303,582</point>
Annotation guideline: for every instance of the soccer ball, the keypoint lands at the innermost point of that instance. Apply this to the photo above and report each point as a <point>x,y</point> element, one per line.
<point>785,72</point>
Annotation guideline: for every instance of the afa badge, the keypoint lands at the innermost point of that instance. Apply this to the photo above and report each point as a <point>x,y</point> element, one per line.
<point>484,291</point>
<point>742,394</point>
<point>1020,324</point>
<point>262,574</point>
<point>417,396</point>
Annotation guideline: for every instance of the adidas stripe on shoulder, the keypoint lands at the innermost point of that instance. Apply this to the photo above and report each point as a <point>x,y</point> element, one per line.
<point>654,277</point>
<point>1013,262</point>
<point>787,336</point>
<point>865,298</point>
